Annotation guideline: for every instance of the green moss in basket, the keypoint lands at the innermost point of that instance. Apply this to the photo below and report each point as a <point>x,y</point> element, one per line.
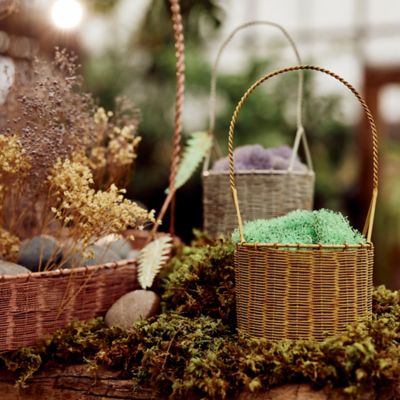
<point>307,227</point>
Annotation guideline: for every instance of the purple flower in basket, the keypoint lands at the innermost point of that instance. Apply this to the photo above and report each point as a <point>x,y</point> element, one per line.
<point>251,157</point>
<point>221,165</point>
<point>282,151</point>
<point>255,157</point>
<point>280,163</point>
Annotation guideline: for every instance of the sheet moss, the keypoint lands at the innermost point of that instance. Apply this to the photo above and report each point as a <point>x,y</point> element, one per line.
<point>193,347</point>
<point>301,226</point>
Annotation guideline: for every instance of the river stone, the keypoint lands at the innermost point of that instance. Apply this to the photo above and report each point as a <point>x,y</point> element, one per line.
<point>102,255</point>
<point>9,268</point>
<point>133,306</point>
<point>37,252</point>
<point>117,244</point>
<point>132,254</point>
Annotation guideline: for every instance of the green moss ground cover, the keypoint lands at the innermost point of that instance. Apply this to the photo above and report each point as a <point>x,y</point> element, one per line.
<point>193,347</point>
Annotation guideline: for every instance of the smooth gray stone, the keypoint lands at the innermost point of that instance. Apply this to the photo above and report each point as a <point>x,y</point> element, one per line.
<point>133,254</point>
<point>133,306</point>
<point>102,255</point>
<point>38,252</point>
<point>9,268</point>
<point>118,245</point>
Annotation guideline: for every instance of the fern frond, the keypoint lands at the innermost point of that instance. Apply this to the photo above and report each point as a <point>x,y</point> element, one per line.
<point>197,147</point>
<point>152,258</point>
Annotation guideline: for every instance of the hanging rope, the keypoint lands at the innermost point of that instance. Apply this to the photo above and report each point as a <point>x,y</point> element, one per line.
<point>179,100</point>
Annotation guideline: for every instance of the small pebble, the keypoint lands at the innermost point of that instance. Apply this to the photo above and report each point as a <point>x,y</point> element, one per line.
<point>39,253</point>
<point>102,255</point>
<point>117,244</point>
<point>133,306</point>
<point>9,268</point>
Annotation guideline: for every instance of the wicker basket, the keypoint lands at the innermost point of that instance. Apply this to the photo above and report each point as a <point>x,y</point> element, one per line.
<point>262,193</point>
<point>300,291</point>
<point>36,304</point>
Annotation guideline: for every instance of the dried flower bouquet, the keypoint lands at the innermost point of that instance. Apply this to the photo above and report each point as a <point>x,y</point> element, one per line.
<point>63,165</point>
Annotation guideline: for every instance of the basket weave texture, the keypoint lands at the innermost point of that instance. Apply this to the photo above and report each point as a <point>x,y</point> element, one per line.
<point>301,294</point>
<point>302,291</point>
<point>36,304</point>
<point>263,194</point>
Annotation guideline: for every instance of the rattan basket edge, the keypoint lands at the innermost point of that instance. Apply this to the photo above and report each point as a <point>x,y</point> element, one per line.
<point>68,271</point>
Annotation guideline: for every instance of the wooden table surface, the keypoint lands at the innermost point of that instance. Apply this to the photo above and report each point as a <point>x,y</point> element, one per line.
<point>77,383</point>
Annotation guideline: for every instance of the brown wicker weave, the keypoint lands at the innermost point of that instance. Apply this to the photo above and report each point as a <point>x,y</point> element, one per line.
<point>262,193</point>
<point>301,291</point>
<point>36,304</point>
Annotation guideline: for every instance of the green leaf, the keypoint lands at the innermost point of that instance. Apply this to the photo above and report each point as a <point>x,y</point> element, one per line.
<point>197,147</point>
<point>152,258</point>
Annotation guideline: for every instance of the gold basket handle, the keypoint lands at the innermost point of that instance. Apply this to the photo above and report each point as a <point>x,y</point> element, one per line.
<point>374,134</point>
<point>300,134</point>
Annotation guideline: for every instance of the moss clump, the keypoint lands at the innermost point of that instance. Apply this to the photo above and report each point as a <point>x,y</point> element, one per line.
<point>200,281</point>
<point>300,226</point>
<point>197,350</point>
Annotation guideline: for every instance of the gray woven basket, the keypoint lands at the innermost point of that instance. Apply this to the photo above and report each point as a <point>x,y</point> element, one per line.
<point>262,193</point>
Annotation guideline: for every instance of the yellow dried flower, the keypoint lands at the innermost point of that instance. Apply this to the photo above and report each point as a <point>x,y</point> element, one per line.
<point>100,116</point>
<point>89,213</point>
<point>13,160</point>
<point>9,245</point>
<point>14,165</point>
<point>112,157</point>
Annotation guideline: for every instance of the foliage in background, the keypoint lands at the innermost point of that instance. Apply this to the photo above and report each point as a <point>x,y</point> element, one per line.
<point>145,71</point>
<point>268,118</point>
<point>387,225</point>
<point>101,6</point>
<point>193,348</point>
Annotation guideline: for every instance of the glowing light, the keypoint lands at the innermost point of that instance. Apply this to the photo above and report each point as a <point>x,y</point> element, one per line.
<point>66,14</point>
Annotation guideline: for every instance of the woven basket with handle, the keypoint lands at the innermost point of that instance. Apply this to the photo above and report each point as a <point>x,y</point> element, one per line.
<point>37,304</point>
<point>262,193</point>
<point>302,291</point>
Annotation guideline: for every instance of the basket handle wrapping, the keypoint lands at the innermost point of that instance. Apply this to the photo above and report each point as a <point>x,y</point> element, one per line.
<point>300,134</point>
<point>367,231</point>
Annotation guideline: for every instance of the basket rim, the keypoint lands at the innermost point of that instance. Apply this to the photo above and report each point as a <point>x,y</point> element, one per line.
<point>307,172</point>
<point>303,246</point>
<point>69,271</point>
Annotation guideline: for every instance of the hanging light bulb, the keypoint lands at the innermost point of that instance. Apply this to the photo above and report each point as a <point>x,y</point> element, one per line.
<point>66,14</point>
